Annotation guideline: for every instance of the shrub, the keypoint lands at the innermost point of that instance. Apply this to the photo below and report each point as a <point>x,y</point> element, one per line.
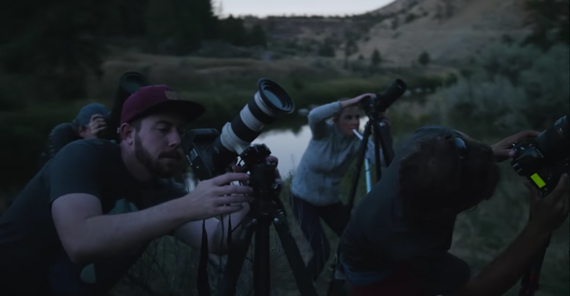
<point>528,92</point>
<point>424,58</point>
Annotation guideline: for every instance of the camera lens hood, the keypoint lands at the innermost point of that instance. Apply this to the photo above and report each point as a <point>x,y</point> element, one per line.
<point>275,97</point>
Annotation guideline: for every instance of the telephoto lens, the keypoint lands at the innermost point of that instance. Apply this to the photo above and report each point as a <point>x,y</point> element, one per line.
<point>211,158</point>
<point>382,101</point>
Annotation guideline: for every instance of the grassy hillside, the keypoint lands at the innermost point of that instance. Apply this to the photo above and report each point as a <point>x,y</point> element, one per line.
<point>450,31</point>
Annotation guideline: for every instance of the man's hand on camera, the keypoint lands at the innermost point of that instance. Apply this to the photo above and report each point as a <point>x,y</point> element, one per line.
<point>97,125</point>
<point>216,196</point>
<point>278,179</point>
<point>546,214</point>
<point>503,149</point>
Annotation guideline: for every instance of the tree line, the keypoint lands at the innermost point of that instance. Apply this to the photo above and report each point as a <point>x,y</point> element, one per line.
<point>56,43</point>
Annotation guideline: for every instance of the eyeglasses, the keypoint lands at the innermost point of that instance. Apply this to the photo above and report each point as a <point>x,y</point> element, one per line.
<point>461,146</point>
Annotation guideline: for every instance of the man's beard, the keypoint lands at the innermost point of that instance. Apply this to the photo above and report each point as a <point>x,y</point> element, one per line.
<point>157,169</point>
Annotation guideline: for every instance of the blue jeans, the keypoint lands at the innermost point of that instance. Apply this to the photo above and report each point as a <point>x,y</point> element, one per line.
<point>309,217</point>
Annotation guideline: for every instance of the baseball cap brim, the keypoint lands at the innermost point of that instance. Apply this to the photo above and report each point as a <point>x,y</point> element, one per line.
<point>187,110</point>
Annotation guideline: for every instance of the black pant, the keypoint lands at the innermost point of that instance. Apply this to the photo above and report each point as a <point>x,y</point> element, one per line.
<point>308,217</point>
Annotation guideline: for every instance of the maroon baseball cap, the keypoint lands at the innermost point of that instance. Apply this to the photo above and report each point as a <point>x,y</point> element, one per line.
<point>158,98</point>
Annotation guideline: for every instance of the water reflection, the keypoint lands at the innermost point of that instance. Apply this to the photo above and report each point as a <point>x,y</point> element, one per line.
<point>287,146</point>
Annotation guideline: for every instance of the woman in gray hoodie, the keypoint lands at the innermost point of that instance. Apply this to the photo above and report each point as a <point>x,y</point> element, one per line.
<point>315,190</point>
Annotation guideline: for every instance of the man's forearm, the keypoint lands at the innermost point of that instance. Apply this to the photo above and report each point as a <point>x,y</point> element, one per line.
<point>218,242</point>
<point>503,272</point>
<point>111,234</point>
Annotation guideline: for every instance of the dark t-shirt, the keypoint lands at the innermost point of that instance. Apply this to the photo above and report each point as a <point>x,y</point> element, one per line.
<point>61,135</point>
<point>31,255</point>
<point>378,239</point>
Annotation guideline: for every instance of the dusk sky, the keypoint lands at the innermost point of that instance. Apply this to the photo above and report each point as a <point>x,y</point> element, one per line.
<point>299,7</point>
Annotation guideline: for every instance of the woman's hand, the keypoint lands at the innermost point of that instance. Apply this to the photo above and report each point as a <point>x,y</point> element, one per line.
<point>355,100</point>
<point>383,117</point>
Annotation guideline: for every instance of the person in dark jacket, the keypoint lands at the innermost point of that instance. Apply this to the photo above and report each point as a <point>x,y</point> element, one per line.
<point>397,242</point>
<point>89,123</point>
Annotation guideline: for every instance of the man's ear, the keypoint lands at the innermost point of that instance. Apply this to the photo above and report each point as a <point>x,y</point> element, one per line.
<point>127,133</point>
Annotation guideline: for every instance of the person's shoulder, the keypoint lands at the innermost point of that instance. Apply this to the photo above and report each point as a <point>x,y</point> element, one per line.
<point>432,130</point>
<point>65,127</point>
<point>99,146</point>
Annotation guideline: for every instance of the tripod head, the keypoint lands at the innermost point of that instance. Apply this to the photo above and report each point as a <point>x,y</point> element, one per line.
<point>262,172</point>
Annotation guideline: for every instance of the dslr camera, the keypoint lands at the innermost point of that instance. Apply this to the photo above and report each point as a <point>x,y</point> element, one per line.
<point>211,153</point>
<point>129,83</point>
<point>544,159</point>
<point>381,101</point>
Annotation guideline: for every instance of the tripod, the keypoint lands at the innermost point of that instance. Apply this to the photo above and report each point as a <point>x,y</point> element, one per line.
<point>529,282</point>
<point>382,139</point>
<point>266,209</point>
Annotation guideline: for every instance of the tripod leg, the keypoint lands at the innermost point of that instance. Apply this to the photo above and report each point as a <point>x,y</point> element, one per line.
<point>385,139</point>
<point>377,145</point>
<point>302,278</point>
<point>359,161</point>
<point>236,257</point>
<point>529,282</point>
<point>261,260</point>
<point>352,192</point>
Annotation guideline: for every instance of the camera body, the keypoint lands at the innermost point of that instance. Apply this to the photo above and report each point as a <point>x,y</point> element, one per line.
<point>544,159</point>
<point>202,147</point>
<point>262,172</point>
<point>380,102</point>
<point>211,153</point>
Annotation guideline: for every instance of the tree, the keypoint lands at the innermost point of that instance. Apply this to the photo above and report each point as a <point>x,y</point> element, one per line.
<point>257,36</point>
<point>180,24</point>
<point>424,58</point>
<point>326,49</point>
<point>550,22</point>
<point>233,31</point>
<point>376,59</point>
<point>55,47</point>
<point>350,48</point>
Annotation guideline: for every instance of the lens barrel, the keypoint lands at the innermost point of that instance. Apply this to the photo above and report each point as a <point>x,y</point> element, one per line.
<point>268,103</point>
<point>554,142</point>
<point>391,94</point>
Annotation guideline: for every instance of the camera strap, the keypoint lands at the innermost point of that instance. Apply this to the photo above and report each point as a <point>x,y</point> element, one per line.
<point>203,283</point>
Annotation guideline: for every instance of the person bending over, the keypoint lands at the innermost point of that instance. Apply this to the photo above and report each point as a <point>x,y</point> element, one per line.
<point>89,123</point>
<point>398,239</point>
<point>315,189</point>
<point>82,221</point>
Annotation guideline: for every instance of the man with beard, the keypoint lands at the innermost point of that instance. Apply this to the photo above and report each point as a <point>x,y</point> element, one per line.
<point>82,221</point>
